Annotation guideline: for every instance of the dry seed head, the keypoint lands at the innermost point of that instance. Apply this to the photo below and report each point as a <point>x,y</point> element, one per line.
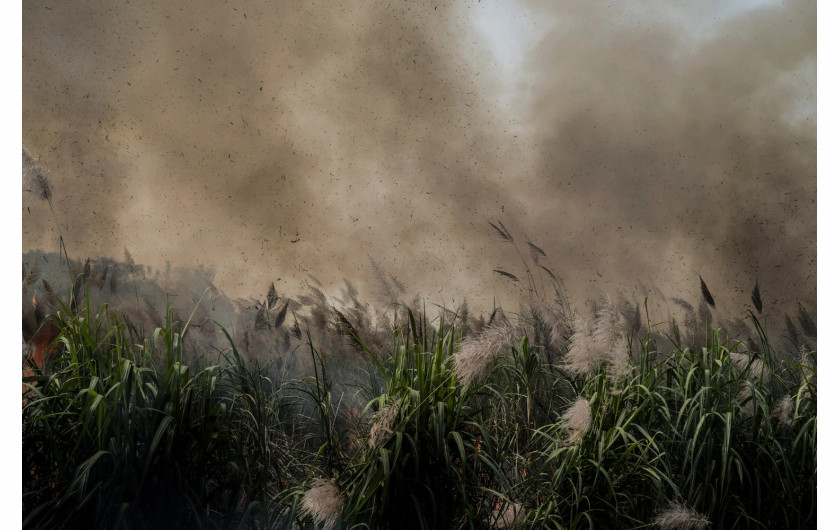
<point>690,316</point>
<point>271,298</point>
<point>707,295</point>
<point>756,298</point>
<point>129,260</point>
<point>588,347</point>
<point>31,276</point>
<point>807,323</point>
<point>606,327</point>
<point>553,319</point>
<point>536,252</point>
<point>619,366</point>
<point>578,419</point>
<point>791,329</point>
<point>28,349</point>
<point>581,354</point>
<point>323,501</point>
<point>783,412</point>
<point>261,320</point>
<point>560,333</point>
<point>677,517</point>
<point>510,515</point>
<point>476,354</point>
<point>35,179</point>
<point>383,420</point>
<point>386,288</point>
<point>631,314</point>
<point>747,400</point>
<point>754,369</point>
<point>806,358</point>
<point>48,289</point>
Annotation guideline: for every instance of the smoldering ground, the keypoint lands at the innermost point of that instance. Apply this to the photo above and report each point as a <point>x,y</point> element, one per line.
<point>639,146</point>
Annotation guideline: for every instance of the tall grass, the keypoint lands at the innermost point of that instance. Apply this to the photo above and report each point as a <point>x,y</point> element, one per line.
<point>546,419</point>
<point>119,431</point>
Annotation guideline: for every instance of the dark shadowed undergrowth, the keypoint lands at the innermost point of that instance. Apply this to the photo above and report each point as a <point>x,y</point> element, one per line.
<point>352,417</point>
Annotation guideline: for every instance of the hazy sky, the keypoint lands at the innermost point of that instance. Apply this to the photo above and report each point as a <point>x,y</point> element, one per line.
<point>639,144</point>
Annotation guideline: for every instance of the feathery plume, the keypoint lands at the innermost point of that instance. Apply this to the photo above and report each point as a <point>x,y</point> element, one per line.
<point>382,422</point>
<point>553,318</point>
<point>492,316</point>
<point>296,328</point>
<point>676,330</point>
<point>783,412</point>
<point>476,354</point>
<point>316,295</point>
<point>637,318</point>
<point>387,289</point>
<point>261,320</point>
<point>281,316</point>
<point>536,252</point>
<point>807,323</point>
<point>350,293</point>
<point>619,366</point>
<point>32,275</point>
<point>631,314</point>
<point>346,329</point>
<point>48,289</point>
<point>606,328</point>
<point>510,237</point>
<point>791,329</point>
<point>323,501</point>
<point>806,359</point>
<point>506,274</point>
<point>503,233</point>
<point>35,179</point>
<point>272,297</point>
<point>546,269</point>
<point>578,418</point>
<point>753,368</point>
<point>581,355</point>
<point>678,517</point>
<point>78,283</point>
<point>129,260</point>
<point>756,298</point>
<point>100,282</point>
<point>705,315</point>
<point>463,313</point>
<point>511,515</point>
<point>707,295</point>
<point>590,347</point>
<point>690,321</point>
<point>747,400</point>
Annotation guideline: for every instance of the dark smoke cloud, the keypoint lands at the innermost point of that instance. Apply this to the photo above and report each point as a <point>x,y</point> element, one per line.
<point>679,150</point>
<point>276,139</point>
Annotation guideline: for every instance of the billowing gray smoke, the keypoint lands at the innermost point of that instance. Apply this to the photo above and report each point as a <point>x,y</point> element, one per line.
<point>639,145</point>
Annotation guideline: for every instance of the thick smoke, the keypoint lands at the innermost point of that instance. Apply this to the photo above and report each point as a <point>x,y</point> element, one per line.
<point>678,148</point>
<point>639,146</point>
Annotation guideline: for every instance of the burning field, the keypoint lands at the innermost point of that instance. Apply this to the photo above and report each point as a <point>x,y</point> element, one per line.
<point>414,265</point>
<point>331,411</point>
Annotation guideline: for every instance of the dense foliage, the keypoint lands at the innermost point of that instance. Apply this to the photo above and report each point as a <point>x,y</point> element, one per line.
<point>552,419</point>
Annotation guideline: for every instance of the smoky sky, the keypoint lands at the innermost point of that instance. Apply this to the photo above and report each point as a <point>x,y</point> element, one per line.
<point>640,145</point>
